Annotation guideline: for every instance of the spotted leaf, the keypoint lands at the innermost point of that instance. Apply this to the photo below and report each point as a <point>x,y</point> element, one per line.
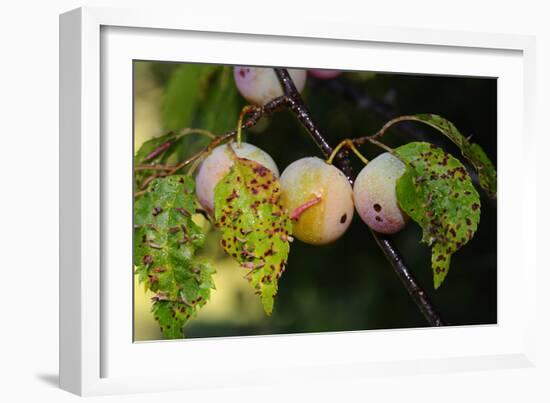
<point>471,151</point>
<point>256,229</point>
<point>166,240</point>
<point>437,193</point>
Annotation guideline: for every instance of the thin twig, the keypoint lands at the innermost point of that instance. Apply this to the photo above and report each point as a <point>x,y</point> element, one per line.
<point>390,252</point>
<point>383,130</point>
<point>153,168</point>
<point>255,115</point>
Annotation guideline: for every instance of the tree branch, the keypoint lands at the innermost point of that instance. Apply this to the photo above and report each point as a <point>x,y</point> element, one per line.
<point>298,107</point>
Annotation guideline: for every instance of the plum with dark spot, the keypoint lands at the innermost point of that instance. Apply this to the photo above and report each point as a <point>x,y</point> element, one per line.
<point>319,199</point>
<point>375,196</point>
<point>260,85</point>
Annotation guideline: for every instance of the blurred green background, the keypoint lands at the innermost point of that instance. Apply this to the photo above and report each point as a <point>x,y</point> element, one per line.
<point>347,285</point>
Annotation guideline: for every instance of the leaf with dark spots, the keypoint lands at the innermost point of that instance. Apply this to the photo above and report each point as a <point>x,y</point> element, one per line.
<point>471,151</point>
<point>165,261</point>
<point>447,207</point>
<point>256,229</point>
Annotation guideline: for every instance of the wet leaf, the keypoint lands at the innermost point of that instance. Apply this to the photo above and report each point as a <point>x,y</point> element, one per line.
<point>437,193</point>
<point>166,240</point>
<point>256,229</point>
<point>152,152</point>
<point>471,151</point>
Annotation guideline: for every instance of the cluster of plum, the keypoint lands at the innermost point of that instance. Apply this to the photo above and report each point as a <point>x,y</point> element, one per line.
<point>317,195</point>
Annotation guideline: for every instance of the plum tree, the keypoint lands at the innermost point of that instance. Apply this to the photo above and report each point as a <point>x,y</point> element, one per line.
<point>324,74</point>
<point>319,199</point>
<point>260,85</point>
<point>219,162</point>
<point>375,195</point>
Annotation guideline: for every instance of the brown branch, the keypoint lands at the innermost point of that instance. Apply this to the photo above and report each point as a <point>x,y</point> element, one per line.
<point>255,115</point>
<point>390,252</point>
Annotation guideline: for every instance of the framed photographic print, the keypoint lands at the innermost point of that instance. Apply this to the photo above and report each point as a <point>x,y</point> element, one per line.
<point>234,199</point>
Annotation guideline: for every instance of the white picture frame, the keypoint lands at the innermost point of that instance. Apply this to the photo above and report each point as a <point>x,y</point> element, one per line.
<point>96,355</point>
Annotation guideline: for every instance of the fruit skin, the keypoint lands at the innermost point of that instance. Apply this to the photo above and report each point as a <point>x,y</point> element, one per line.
<point>260,85</point>
<point>217,165</point>
<point>375,197</point>
<point>323,74</point>
<point>309,179</point>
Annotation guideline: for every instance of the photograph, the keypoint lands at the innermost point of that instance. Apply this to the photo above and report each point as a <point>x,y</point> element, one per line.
<point>274,200</point>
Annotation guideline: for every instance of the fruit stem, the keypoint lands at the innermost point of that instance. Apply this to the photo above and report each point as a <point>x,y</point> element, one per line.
<point>247,109</point>
<point>349,144</point>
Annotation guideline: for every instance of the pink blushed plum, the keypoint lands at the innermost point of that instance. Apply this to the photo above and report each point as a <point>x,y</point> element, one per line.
<point>323,74</point>
<point>260,85</point>
<point>217,165</point>
<point>375,197</point>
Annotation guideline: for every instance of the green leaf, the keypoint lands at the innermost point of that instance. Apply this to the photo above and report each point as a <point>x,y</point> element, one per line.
<point>471,151</point>
<point>437,193</point>
<point>220,109</point>
<point>154,151</point>
<point>166,240</point>
<point>256,229</point>
<point>146,154</point>
<point>183,94</point>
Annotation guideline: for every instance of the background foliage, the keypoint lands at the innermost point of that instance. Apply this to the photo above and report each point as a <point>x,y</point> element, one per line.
<point>347,285</point>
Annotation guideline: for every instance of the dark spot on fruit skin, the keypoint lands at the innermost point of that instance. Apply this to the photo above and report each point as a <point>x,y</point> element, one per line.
<point>378,218</point>
<point>377,207</point>
<point>343,218</point>
<point>468,221</point>
<point>475,206</point>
